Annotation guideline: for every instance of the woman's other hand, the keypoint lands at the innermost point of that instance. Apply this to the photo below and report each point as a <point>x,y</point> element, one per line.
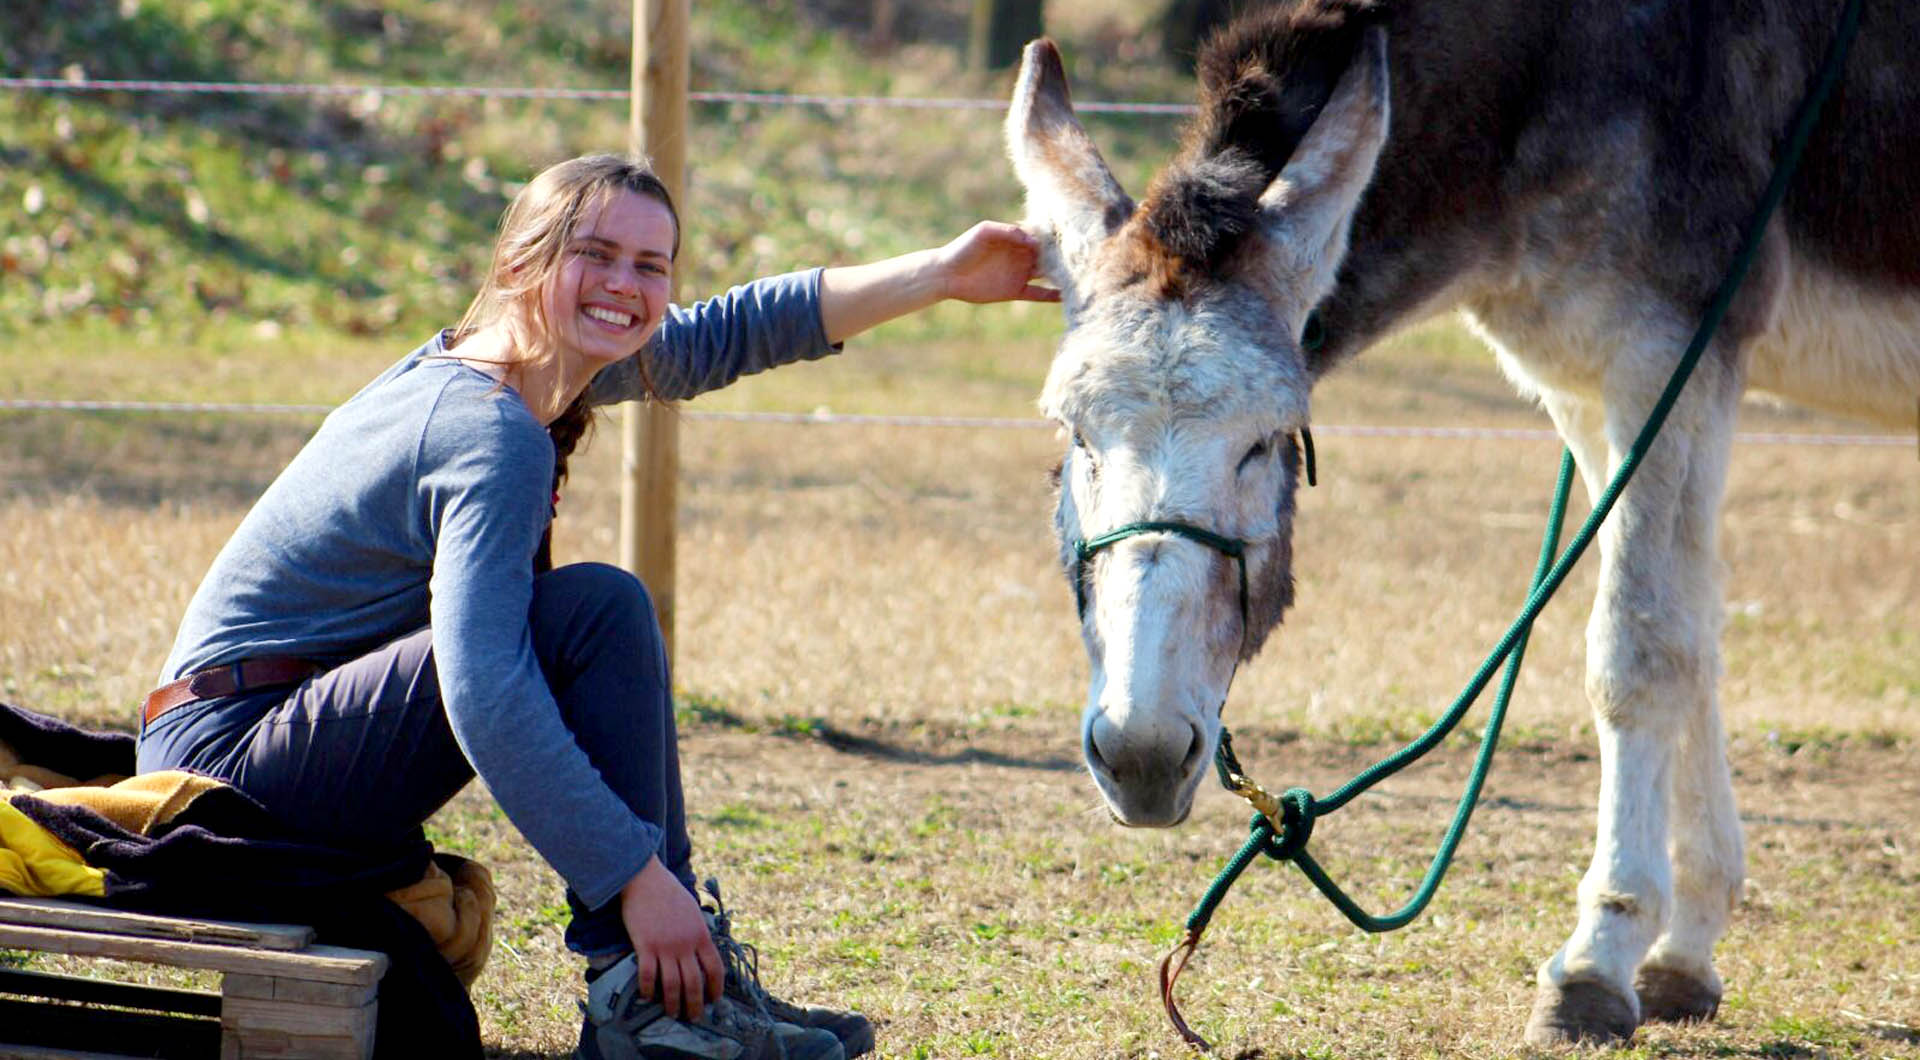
<point>678,964</point>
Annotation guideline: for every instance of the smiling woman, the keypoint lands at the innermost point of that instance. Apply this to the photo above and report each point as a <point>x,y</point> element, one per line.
<point>580,279</point>
<point>379,629</point>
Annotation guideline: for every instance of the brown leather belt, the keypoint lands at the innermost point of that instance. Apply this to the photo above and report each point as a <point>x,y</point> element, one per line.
<point>247,675</point>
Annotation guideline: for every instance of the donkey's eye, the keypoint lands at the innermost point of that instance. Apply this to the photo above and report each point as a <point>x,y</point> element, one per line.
<point>1313,334</point>
<point>1087,458</point>
<point>1255,452</point>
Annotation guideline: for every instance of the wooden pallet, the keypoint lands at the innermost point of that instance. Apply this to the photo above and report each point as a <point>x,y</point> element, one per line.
<point>280,995</point>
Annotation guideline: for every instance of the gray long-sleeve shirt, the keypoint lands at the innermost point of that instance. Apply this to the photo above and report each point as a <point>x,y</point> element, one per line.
<point>420,502</point>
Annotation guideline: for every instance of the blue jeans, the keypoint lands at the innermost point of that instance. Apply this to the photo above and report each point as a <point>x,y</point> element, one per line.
<point>362,755</point>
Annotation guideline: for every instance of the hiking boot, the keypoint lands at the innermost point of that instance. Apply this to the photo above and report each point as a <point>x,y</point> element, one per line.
<point>621,1025</point>
<point>807,1043</point>
<point>850,1030</point>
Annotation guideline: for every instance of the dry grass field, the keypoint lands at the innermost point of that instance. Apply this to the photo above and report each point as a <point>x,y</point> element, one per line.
<point>881,679</point>
<point>878,668</point>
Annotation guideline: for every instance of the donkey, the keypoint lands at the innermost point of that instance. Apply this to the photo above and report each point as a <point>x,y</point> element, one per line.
<point>1574,178</point>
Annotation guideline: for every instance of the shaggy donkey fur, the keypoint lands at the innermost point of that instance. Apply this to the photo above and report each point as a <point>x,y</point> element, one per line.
<point>1574,177</point>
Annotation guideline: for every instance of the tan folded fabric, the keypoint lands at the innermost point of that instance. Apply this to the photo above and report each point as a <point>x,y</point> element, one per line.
<point>457,911</point>
<point>137,804</point>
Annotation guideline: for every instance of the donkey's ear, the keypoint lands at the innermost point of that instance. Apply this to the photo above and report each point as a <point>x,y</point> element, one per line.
<point>1073,202</point>
<point>1308,209</point>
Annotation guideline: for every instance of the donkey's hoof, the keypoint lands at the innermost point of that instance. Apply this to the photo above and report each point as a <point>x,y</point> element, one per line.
<point>1675,997</point>
<point>1580,1011</point>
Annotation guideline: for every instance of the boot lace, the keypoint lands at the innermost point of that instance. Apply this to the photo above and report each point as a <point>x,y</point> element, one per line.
<point>741,959</point>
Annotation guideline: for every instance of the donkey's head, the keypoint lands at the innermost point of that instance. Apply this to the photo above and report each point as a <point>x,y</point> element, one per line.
<point>1183,383</point>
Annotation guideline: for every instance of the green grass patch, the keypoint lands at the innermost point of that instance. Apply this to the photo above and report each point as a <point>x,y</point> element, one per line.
<point>738,816</point>
<point>699,709</point>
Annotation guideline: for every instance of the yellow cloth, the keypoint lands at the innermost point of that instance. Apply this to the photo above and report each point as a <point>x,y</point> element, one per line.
<point>456,908</point>
<point>33,864</point>
<point>457,911</point>
<point>138,804</point>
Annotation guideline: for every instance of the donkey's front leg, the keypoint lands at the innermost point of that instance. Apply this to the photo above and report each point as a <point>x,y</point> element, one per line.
<point>1677,981</point>
<point>1652,663</point>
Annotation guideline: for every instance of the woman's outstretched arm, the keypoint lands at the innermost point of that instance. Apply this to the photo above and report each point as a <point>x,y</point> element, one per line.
<point>990,262</point>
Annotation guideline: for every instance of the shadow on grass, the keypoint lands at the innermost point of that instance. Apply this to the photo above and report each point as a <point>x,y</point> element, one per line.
<point>165,213</point>
<point>143,460</point>
<point>700,711</point>
<point>868,747</point>
<point>1539,806</point>
<point>1783,1049</point>
<point>1893,1032</point>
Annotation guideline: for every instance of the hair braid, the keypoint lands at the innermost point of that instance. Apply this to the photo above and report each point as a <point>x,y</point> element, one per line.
<point>567,433</point>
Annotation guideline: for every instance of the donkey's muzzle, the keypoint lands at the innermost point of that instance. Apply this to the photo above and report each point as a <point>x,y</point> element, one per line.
<point>1147,779</point>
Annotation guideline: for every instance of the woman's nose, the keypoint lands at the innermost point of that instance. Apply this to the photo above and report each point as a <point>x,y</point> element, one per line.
<point>622,279</point>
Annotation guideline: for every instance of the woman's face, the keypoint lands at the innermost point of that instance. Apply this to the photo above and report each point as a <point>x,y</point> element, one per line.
<point>611,289</point>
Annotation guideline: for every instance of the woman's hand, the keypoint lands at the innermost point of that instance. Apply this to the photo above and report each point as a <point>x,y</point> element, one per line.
<point>990,262</point>
<point>679,966</point>
<point>993,262</point>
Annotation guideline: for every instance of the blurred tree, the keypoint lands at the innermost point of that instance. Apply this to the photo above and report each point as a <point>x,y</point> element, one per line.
<point>880,36</point>
<point>1000,29</point>
<point>1184,24</point>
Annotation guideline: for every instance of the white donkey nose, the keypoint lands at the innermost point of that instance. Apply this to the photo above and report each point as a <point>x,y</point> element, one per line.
<point>1144,754</point>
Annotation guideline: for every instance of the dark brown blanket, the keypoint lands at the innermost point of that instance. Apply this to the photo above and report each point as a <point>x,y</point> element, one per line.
<point>224,857</point>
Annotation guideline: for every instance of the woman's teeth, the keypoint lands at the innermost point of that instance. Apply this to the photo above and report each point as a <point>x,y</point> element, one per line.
<point>619,320</point>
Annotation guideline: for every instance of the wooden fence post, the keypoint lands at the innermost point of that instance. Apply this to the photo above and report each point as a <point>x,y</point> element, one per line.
<point>650,440</point>
<point>999,29</point>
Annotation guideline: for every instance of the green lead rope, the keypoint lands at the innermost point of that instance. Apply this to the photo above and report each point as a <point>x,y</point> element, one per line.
<point>1299,808</point>
<point>1285,839</point>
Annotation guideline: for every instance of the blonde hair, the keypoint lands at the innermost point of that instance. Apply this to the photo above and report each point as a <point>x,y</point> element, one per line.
<point>534,233</point>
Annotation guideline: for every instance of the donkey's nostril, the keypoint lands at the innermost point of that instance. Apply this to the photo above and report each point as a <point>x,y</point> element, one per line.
<point>1090,746</point>
<point>1195,751</point>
